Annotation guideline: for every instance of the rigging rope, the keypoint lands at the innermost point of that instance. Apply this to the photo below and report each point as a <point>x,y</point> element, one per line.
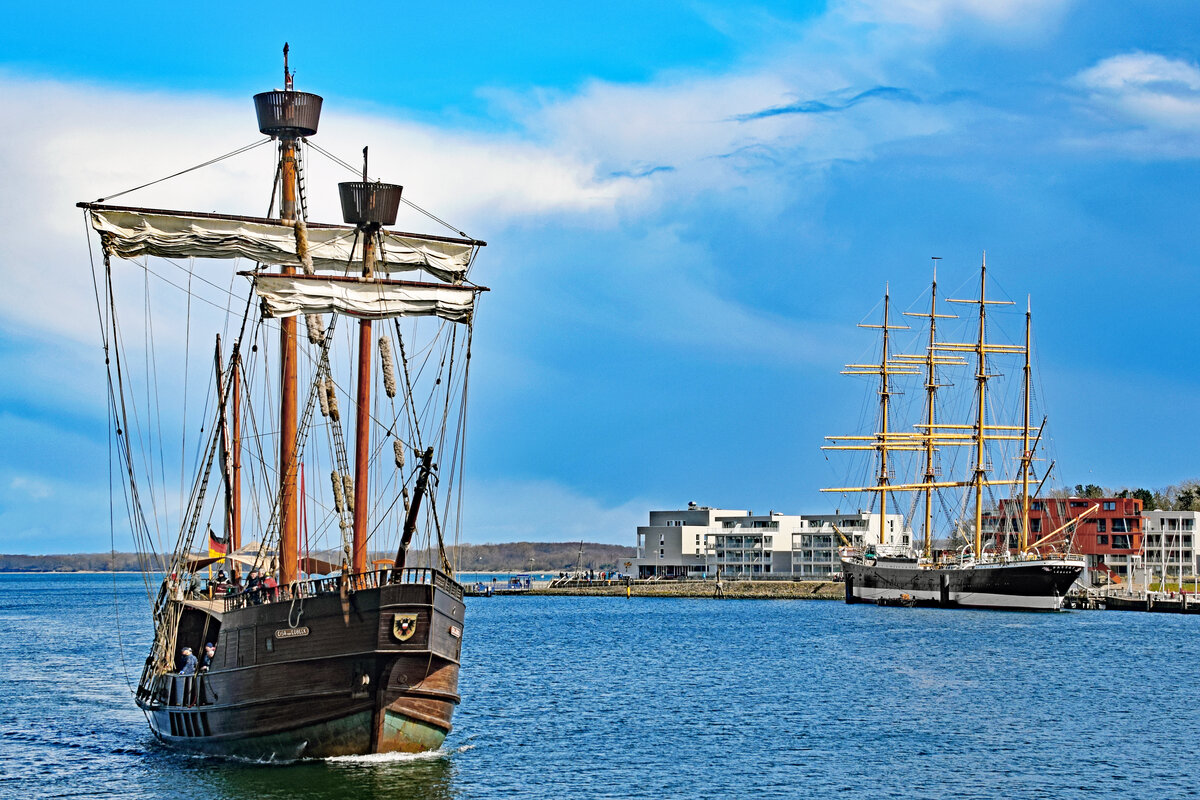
<point>358,171</point>
<point>210,162</point>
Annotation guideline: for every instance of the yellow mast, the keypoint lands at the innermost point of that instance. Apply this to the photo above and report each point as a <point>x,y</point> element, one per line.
<point>981,391</point>
<point>930,436</point>
<point>1026,455</point>
<point>980,433</point>
<point>885,370</point>
<point>884,395</point>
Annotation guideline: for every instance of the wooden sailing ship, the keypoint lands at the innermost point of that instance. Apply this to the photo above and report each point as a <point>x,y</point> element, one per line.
<point>317,653</point>
<point>994,569</point>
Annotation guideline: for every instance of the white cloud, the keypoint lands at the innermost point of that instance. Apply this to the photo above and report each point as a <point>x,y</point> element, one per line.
<point>1146,89</point>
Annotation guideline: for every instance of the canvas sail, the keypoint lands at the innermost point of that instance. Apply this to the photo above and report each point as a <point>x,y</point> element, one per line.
<point>289,295</point>
<point>129,233</point>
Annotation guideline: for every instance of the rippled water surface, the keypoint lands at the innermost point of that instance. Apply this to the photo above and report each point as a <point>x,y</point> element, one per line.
<point>608,697</point>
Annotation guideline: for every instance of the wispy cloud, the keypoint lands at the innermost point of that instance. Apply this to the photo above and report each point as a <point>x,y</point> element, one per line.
<point>890,93</point>
<point>1003,16</point>
<point>30,488</point>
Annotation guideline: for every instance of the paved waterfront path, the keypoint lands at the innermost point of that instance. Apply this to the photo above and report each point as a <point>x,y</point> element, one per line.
<point>734,590</point>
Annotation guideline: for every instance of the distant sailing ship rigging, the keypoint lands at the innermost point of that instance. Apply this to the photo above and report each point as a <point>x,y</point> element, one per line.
<point>997,568</point>
<point>325,652</point>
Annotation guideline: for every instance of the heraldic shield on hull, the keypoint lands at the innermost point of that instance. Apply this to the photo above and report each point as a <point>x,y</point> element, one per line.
<point>404,626</point>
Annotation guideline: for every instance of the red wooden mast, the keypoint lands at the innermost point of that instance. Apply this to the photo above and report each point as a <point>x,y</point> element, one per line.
<point>287,115</point>
<point>362,420</point>
<point>287,368</point>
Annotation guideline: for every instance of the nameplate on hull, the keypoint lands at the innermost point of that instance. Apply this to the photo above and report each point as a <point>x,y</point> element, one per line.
<point>290,633</point>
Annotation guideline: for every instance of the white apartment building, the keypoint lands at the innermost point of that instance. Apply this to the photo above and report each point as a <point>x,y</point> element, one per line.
<point>1169,541</point>
<point>702,541</point>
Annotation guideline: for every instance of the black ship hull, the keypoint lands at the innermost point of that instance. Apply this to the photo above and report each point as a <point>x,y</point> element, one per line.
<point>1037,585</point>
<point>373,670</point>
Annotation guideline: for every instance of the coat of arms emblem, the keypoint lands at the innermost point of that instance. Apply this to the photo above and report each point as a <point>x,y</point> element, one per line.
<point>404,626</point>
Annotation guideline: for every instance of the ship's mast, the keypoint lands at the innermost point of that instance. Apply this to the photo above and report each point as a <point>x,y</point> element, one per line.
<point>235,445</point>
<point>362,415</point>
<point>287,368</point>
<point>1026,454</point>
<point>981,410</point>
<point>882,440</point>
<point>884,403</point>
<point>287,115</point>
<point>932,360</point>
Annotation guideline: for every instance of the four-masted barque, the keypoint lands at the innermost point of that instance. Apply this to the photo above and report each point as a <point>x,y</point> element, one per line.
<point>318,652</point>
<point>993,569</point>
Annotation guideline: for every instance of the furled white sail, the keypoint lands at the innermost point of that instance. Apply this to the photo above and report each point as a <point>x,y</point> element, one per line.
<point>288,295</point>
<point>132,233</point>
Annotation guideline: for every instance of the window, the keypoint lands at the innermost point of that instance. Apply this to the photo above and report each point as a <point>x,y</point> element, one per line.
<point>1120,542</point>
<point>1118,526</point>
<point>1035,526</point>
<point>1100,525</point>
<point>1101,539</point>
<point>1036,505</point>
<point>1188,524</point>
<point>1078,504</point>
<point>1110,505</point>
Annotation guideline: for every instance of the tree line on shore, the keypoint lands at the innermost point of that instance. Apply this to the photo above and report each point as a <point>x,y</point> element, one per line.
<point>504,557</point>
<point>1182,496</point>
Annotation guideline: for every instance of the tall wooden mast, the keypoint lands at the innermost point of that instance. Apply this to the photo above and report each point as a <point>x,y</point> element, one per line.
<point>369,206</point>
<point>235,446</point>
<point>287,115</point>
<point>287,371</point>
<point>362,415</point>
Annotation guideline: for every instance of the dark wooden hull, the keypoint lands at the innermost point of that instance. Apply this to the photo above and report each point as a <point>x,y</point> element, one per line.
<point>336,678</point>
<point>1020,585</point>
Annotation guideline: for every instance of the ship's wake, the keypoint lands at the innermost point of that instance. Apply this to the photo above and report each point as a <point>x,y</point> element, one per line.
<point>392,758</point>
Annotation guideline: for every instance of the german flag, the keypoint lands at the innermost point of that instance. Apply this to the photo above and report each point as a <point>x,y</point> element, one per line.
<point>216,545</point>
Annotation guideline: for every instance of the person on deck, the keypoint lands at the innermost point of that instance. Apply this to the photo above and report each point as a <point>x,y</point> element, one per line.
<point>270,588</point>
<point>206,660</point>
<point>188,671</point>
<point>254,587</point>
<point>189,662</point>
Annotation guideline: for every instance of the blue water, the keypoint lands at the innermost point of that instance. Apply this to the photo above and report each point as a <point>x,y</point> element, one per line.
<point>608,697</point>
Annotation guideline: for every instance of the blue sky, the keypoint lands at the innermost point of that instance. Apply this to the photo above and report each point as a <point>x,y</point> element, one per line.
<point>688,205</point>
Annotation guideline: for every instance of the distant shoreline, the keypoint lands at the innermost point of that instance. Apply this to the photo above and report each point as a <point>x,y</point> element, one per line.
<point>508,558</point>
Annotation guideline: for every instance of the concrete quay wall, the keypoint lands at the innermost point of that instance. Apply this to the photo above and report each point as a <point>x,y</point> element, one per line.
<point>734,590</point>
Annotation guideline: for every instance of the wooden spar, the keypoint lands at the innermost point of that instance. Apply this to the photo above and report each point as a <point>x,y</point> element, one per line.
<point>410,522</point>
<point>265,221</point>
<point>235,444</point>
<point>226,454</point>
<point>288,551</point>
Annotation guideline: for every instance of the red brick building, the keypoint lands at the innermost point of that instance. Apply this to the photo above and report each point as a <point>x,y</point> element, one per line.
<point>1108,536</point>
